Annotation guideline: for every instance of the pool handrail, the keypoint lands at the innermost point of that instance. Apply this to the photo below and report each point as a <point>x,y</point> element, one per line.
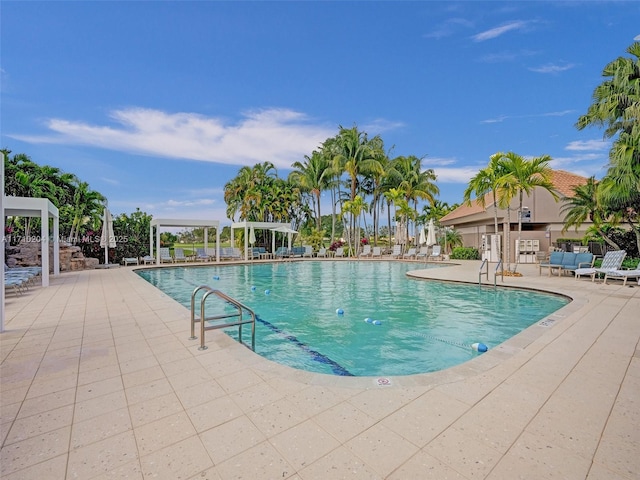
<point>484,264</point>
<point>203,318</point>
<point>496,274</point>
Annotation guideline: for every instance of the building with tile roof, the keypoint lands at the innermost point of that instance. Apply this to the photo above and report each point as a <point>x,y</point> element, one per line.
<point>542,221</point>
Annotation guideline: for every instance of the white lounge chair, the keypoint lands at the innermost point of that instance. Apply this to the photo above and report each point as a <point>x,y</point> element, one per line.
<point>436,252</point>
<point>376,252</point>
<point>178,255</point>
<point>165,256</point>
<point>322,252</point>
<point>610,262</point>
<point>411,253</point>
<point>397,251</point>
<point>623,275</point>
<point>366,251</point>
<point>201,255</point>
<point>148,259</point>
<point>339,252</point>
<point>308,251</point>
<point>130,261</point>
<point>423,253</point>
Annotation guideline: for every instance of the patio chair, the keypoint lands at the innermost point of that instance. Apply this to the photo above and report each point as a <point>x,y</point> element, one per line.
<point>376,252</point>
<point>282,252</point>
<point>623,275</point>
<point>178,255</point>
<point>397,251</point>
<point>366,251</point>
<point>308,251</point>
<point>339,252</point>
<point>322,252</point>
<point>165,256</point>
<point>130,261</point>
<point>148,259</point>
<point>612,261</point>
<point>201,255</point>
<point>436,252</point>
<point>411,253</point>
<point>423,253</point>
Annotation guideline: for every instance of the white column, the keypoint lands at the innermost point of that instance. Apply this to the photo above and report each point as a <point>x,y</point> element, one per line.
<point>56,246</point>
<point>44,245</point>
<point>2,243</point>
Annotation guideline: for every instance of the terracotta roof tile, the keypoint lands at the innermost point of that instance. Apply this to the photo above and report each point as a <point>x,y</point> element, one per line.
<point>562,180</point>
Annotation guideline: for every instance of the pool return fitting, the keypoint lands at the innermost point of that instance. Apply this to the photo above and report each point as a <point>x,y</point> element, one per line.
<point>240,310</point>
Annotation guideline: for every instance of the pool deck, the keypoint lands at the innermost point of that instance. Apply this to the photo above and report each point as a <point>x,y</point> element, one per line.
<point>99,380</point>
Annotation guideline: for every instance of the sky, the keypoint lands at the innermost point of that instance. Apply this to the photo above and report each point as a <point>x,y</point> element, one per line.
<point>158,104</point>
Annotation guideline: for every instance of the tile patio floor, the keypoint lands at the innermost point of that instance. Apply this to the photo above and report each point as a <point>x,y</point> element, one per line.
<point>99,381</point>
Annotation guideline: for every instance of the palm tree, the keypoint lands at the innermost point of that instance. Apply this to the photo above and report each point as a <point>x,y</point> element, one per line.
<point>585,206</point>
<point>394,196</point>
<point>355,208</point>
<point>525,176</point>
<point>484,182</point>
<point>313,176</point>
<point>616,106</point>
<point>356,157</point>
<point>88,206</point>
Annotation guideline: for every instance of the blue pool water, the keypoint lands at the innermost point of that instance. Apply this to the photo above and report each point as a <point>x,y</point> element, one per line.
<point>424,326</point>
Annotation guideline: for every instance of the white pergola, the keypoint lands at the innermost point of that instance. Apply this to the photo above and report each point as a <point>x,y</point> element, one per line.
<point>258,226</point>
<point>181,222</point>
<point>45,210</point>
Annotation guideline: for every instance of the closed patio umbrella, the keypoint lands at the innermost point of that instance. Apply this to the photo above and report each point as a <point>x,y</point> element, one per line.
<point>252,236</point>
<point>423,237</point>
<point>107,239</point>
<point>431,234</point>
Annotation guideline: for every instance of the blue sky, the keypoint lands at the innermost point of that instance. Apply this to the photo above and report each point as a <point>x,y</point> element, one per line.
<point>158,104</point>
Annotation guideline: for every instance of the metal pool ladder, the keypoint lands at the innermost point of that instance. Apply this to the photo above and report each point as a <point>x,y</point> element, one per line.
<point>221,321</point>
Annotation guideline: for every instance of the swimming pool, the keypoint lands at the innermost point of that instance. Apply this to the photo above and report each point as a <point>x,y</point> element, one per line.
<point>414,326</point>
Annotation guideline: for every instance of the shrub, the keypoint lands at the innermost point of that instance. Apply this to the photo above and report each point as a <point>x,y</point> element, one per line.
<point>465,253</point>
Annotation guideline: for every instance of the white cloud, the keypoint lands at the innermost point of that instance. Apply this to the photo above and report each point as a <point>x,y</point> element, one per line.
<point>430,162</point>
<point>637,38</point>
<point>497,31</point>
<point>281,136</point>
<point>502,118</point>
<point>455,175</point>
<point>380,125</point>
<point>551,68</point>
<point>448,28</point>
<point>588,145</point>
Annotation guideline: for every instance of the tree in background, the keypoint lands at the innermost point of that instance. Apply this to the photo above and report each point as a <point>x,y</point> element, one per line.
<point>616,107</point>
<point>520,176</point>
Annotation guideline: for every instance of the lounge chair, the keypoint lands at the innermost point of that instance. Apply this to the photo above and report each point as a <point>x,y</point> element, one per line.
<point>308,251</point>
<point>410,254</point>
<point>423,253</point>
<point>148,259</point>
<point>611,262</point>
<point>366,251</point>
<point>201,255</point>
<point>623,275</point>
<point>211,251</point>
<point>397,251</point>
<point>436,252</point>
<point>130,261</point>
<point>322,252</point>
<point>178,255</point>
<point>282,252</point>
<point>376,252</point>
<point>165,256</point>
<point>339,252</point>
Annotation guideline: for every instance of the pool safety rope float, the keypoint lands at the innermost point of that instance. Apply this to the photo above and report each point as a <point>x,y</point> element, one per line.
<point>372,321</point>
<point>339,312</point>
<point>478,347</point>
